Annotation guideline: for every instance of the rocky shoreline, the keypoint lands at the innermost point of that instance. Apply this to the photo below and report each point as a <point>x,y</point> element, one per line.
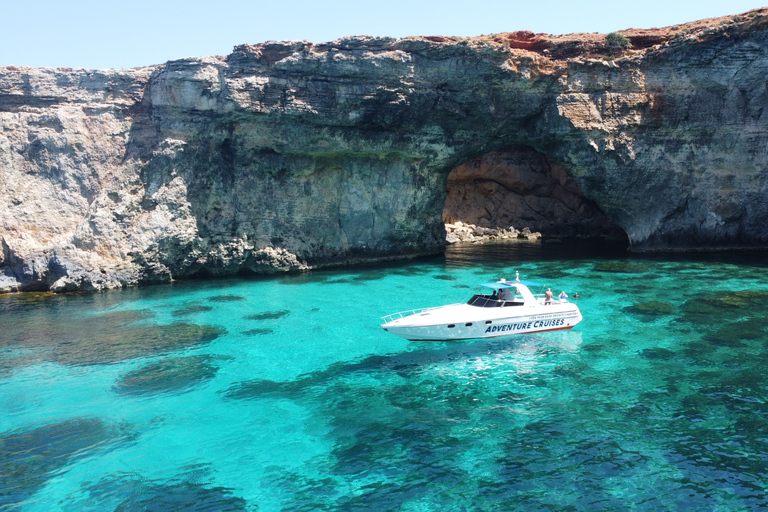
<point>459,232</point>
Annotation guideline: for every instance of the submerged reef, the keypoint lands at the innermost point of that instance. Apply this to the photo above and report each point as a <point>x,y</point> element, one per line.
<point>29,458</point>
<point>97,339</point>
<point>168,375</point>
<point>286,156</point>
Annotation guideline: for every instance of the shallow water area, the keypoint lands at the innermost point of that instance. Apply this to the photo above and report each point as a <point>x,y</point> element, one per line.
<point>282,393</point>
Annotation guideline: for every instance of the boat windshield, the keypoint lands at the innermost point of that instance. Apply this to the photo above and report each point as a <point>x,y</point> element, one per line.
<point>493,301</point>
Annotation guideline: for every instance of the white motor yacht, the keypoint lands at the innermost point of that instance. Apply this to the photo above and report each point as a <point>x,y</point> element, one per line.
<point>511,308</point>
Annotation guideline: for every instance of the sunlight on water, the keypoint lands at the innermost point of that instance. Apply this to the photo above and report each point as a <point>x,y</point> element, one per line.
<point>282,393</point>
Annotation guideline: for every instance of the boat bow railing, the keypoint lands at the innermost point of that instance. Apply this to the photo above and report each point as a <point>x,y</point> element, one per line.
<point>402,314</point>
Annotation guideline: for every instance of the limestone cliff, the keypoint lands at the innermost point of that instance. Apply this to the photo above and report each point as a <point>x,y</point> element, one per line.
<point>289,155</point>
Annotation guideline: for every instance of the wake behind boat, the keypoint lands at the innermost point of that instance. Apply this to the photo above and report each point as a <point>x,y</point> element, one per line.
<point>511,308</point>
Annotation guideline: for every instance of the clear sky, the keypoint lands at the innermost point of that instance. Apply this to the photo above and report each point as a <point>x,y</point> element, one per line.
<point>109,34</point>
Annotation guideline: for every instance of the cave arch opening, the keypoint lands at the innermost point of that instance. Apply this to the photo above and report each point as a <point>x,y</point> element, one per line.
<point>519,187</point>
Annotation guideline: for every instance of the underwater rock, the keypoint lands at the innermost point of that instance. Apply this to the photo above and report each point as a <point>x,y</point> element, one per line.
<point>722,307</point>
<point>191,310</point>
<point>745,298</point>
<point>186,496</point>
<point>699,350</point>
<point>102,338</point>
<point>651,308</point>
<point>734,334</point>
<point>257,388</point>
<point>268,315</point>
<point>9,362</point>
<point>554,274</point>
<point>174,374</point>
<point>657,353</point>
<point>260,388</point>
<point>621,268</point>
<point>225,298</point>
<point>258,332</point>
<point>139,341</point>
<point>405,365</point>
<point>28,458</point>
<point>39,329</point>
<point>370,275</point>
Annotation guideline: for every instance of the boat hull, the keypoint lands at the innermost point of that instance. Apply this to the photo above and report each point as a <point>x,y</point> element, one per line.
<point>462,322</point>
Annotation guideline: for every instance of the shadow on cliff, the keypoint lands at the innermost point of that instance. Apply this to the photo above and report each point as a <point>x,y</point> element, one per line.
<point>244,191</point>
<point>183,160</point>
<point>521,187</point>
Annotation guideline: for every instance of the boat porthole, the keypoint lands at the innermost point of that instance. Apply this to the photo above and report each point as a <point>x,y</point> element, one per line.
<point>468,325</point>
<point>488,322</point>
<point>451,326</point>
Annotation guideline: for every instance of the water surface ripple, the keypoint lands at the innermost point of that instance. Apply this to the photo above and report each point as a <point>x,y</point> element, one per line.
<point>281,394</point>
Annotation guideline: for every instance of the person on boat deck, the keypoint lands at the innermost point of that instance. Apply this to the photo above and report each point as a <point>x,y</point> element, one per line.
<point>506,294</point>
<point>562,295</point>
<point>548,296</point>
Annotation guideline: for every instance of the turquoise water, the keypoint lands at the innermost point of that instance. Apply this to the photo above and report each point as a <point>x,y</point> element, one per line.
<point>282,393</point>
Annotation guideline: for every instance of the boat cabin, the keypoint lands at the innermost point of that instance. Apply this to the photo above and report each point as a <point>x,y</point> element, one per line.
<point>505,294</point>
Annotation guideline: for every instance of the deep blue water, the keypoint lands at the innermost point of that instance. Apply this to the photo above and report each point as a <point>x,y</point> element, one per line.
<point>281,394</point>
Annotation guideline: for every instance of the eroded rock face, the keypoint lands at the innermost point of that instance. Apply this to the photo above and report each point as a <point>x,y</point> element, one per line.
<point>521,187</point>
<point>287,156</point>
